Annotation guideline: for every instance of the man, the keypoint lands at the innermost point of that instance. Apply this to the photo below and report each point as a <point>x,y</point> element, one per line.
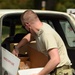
<point>48,42</point>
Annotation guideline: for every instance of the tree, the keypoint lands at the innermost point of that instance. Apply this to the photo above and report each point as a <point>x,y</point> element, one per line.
<point>63,6</point>
<point>16,4</point>
<point>50,5</point>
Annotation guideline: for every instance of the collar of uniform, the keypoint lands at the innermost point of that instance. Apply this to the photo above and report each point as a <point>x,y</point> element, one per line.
<point>39,32</point>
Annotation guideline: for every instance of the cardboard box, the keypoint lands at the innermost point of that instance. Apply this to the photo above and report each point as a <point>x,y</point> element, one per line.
<point>24,63</point>
<point>35,59</point>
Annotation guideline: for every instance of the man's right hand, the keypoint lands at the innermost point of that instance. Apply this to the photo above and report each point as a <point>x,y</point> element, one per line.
<point>15,52</point>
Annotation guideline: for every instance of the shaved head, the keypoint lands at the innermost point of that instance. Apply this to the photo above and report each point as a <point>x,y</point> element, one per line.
<point>29,16</point>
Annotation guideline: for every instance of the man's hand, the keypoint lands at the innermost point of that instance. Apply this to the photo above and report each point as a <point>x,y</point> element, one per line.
<point>15,52</point>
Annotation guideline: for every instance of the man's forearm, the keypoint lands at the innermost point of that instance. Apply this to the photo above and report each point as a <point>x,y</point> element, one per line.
<point>24,41</point>
<point>21,44</point>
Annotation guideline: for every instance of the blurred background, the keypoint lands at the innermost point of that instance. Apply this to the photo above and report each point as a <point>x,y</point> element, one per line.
<point>56,5</point>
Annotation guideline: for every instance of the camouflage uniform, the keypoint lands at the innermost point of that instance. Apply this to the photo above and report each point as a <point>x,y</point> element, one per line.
<point>64,70</point>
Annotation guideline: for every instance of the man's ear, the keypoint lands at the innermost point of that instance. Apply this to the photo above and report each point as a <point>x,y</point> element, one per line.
<point>28,24</point>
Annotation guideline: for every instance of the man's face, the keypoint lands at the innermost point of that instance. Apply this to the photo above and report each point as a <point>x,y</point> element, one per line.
<point>28,26</point>
<point>25,25</point>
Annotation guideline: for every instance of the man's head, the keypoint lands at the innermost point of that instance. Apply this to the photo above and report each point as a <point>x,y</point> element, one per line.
<point>31,21</point>
<point>28,18</point>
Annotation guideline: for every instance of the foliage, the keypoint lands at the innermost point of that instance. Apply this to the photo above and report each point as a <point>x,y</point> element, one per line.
<point>16,4</point>
<point>59,5</point>
<point>63,5</point>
